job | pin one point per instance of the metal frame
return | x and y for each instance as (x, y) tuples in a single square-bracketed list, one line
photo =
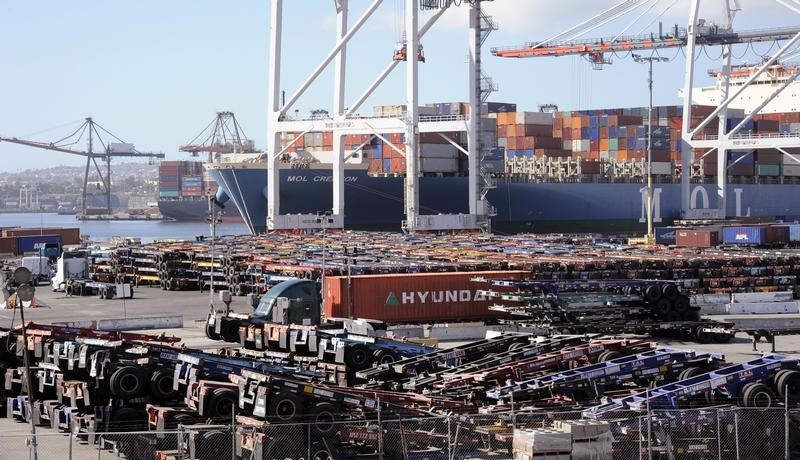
[(724, 142), (344, 122)]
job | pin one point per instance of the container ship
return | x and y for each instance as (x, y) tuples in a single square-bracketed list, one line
[(551, 171), (183, 186)]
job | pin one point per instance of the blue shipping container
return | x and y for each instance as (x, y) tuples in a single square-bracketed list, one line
[(744, 235), (794, 231), (741, 156), (665, 235), (32, 243)]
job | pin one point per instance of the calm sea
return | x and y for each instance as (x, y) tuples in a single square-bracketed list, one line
[(104, 230)]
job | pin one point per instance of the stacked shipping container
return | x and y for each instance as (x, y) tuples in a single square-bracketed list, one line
[(594, 136), (180, 179)]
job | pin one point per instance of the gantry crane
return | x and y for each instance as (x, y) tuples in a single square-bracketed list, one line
[(698, 32), (222, 135), (92, 131)]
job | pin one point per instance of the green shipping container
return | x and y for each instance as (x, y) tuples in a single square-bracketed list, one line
[(613, 144), (768, 170)]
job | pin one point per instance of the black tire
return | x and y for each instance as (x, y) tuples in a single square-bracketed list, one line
[(280, 447), (181, 418), (788, 382), (357, 357), (758, 395), (681, 303), (230, 331), (702, 336), (323, 420), (386, 357), (221, 403), (663, 307), (322, 451), (689, 372), (609, 355), (214, 445), (161, 385), (127, 382), (285, 407), (652, 294), (210, 332), (670, 291)]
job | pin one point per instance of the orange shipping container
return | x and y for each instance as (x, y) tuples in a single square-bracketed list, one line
[(413, 297), (8, 245), (68, 235)]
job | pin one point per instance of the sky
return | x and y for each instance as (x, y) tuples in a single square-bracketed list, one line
[(154, 73)]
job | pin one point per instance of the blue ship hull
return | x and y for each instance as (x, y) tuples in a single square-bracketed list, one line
[(377, 202)]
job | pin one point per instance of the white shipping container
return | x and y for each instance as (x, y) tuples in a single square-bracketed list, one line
[(121, 147), (534, 118), (753, 297), (576, 145), (438, 151), (443, 165), (791, 170), (787, 160), (585, 145), (503, 142), (662, 167), (761, 307)]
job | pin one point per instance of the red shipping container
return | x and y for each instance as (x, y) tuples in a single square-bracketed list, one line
[(8, 245), (501, 130), (68, 235), (777, 234), (390, 152), (594, 146), (398, 165), (414, 297), (535, 130), (660, 155), (697, 238), (769, 156), (590, 167), (375, 165), (327, 138)]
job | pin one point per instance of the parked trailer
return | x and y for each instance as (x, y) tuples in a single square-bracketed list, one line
[(756, 383), (586, 383)]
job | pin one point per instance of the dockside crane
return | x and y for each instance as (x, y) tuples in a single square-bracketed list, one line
[(698, 33), (223, 134), (93, 133)]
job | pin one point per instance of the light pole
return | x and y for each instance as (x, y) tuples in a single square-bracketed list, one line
[(323, 218), (649, 60), (212, 220)]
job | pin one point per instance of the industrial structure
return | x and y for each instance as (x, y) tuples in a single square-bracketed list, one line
[(92, 133), (697, 33), (344, 122)]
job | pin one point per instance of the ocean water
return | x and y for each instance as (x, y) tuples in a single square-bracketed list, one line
[(105, 230)]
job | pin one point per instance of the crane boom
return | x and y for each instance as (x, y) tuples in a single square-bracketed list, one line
[(92, 129), (46, 146), (707, 35)]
